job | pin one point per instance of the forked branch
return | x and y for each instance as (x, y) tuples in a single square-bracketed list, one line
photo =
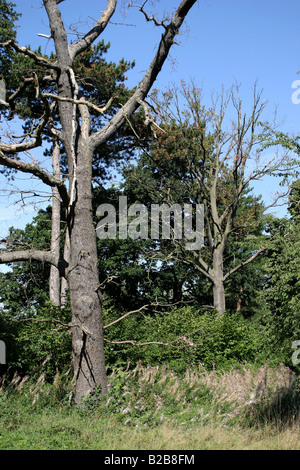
[(167, 40), (92, 35)]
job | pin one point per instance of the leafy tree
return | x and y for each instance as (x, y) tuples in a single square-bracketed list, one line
[(194, 160), (31, 326), (26, 284), (282, 289), (7, 32)]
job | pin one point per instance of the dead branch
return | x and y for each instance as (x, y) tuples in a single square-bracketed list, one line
[(29, 255), (92, 35), (166, 42), (106, 281), (180, 339), (151, 18), (244, 263), (37, 139), (144, 307), (55, 320), (37, 171), (82, 101), (24, 50), (135, 343)]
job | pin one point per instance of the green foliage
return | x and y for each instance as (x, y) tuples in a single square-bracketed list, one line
[(36, 337), (30, 325), (45, 336), (188, 338), (8, 19), (281, 294), (26, 285)]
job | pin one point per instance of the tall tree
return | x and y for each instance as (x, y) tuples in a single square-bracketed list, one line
[(195, 159), (80, 145), (281, 294)]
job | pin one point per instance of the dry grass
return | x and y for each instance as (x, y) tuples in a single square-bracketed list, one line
[(153, 408), (247, 396)]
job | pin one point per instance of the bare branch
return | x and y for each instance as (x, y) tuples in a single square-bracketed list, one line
[(135, 343), (55, 320), (82, 101), (92, 35), (244, 263), (47, 36), (108, 280), (148, 118), (151, 18), (144, 307), (37, 139), (180, 339), (38, 59), (37, 171), (167, 40), (29, 255)]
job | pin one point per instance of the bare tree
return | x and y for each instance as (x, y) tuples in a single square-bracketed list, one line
[(214, 154), (80, 144)]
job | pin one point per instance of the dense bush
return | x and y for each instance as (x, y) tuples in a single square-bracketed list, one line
[(181, 338), (38, 336), (189, 336)]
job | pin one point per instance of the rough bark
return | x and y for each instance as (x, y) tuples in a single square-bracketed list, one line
[(64, 283), (218, 282), (54, 278), (36, 255), (83, 281)]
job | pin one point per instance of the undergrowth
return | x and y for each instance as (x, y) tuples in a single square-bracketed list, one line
[(247, 396), (152, 395)]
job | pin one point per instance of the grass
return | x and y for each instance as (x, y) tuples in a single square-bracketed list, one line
[(153, 408)]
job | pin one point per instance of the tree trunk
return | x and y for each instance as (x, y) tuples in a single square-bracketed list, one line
[(239, 302), (64, 283), (83, 281), (218, 282), (54, 278)]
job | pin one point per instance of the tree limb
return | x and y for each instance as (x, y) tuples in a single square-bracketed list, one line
[(38, 59), (167, 40), (55, 320), (144, 307), (244, 263), (37, 139), (37, 171), (180, 339), (91, 36), (81, 101), (151, 18), (28, 255), (135, 343)]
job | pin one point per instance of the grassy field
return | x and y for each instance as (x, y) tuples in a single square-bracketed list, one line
[(152, 408)]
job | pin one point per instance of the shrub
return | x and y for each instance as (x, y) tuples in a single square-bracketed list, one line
[(39, 336), (189, 338)]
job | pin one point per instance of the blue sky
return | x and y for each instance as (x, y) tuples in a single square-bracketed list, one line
[(222, 41)]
